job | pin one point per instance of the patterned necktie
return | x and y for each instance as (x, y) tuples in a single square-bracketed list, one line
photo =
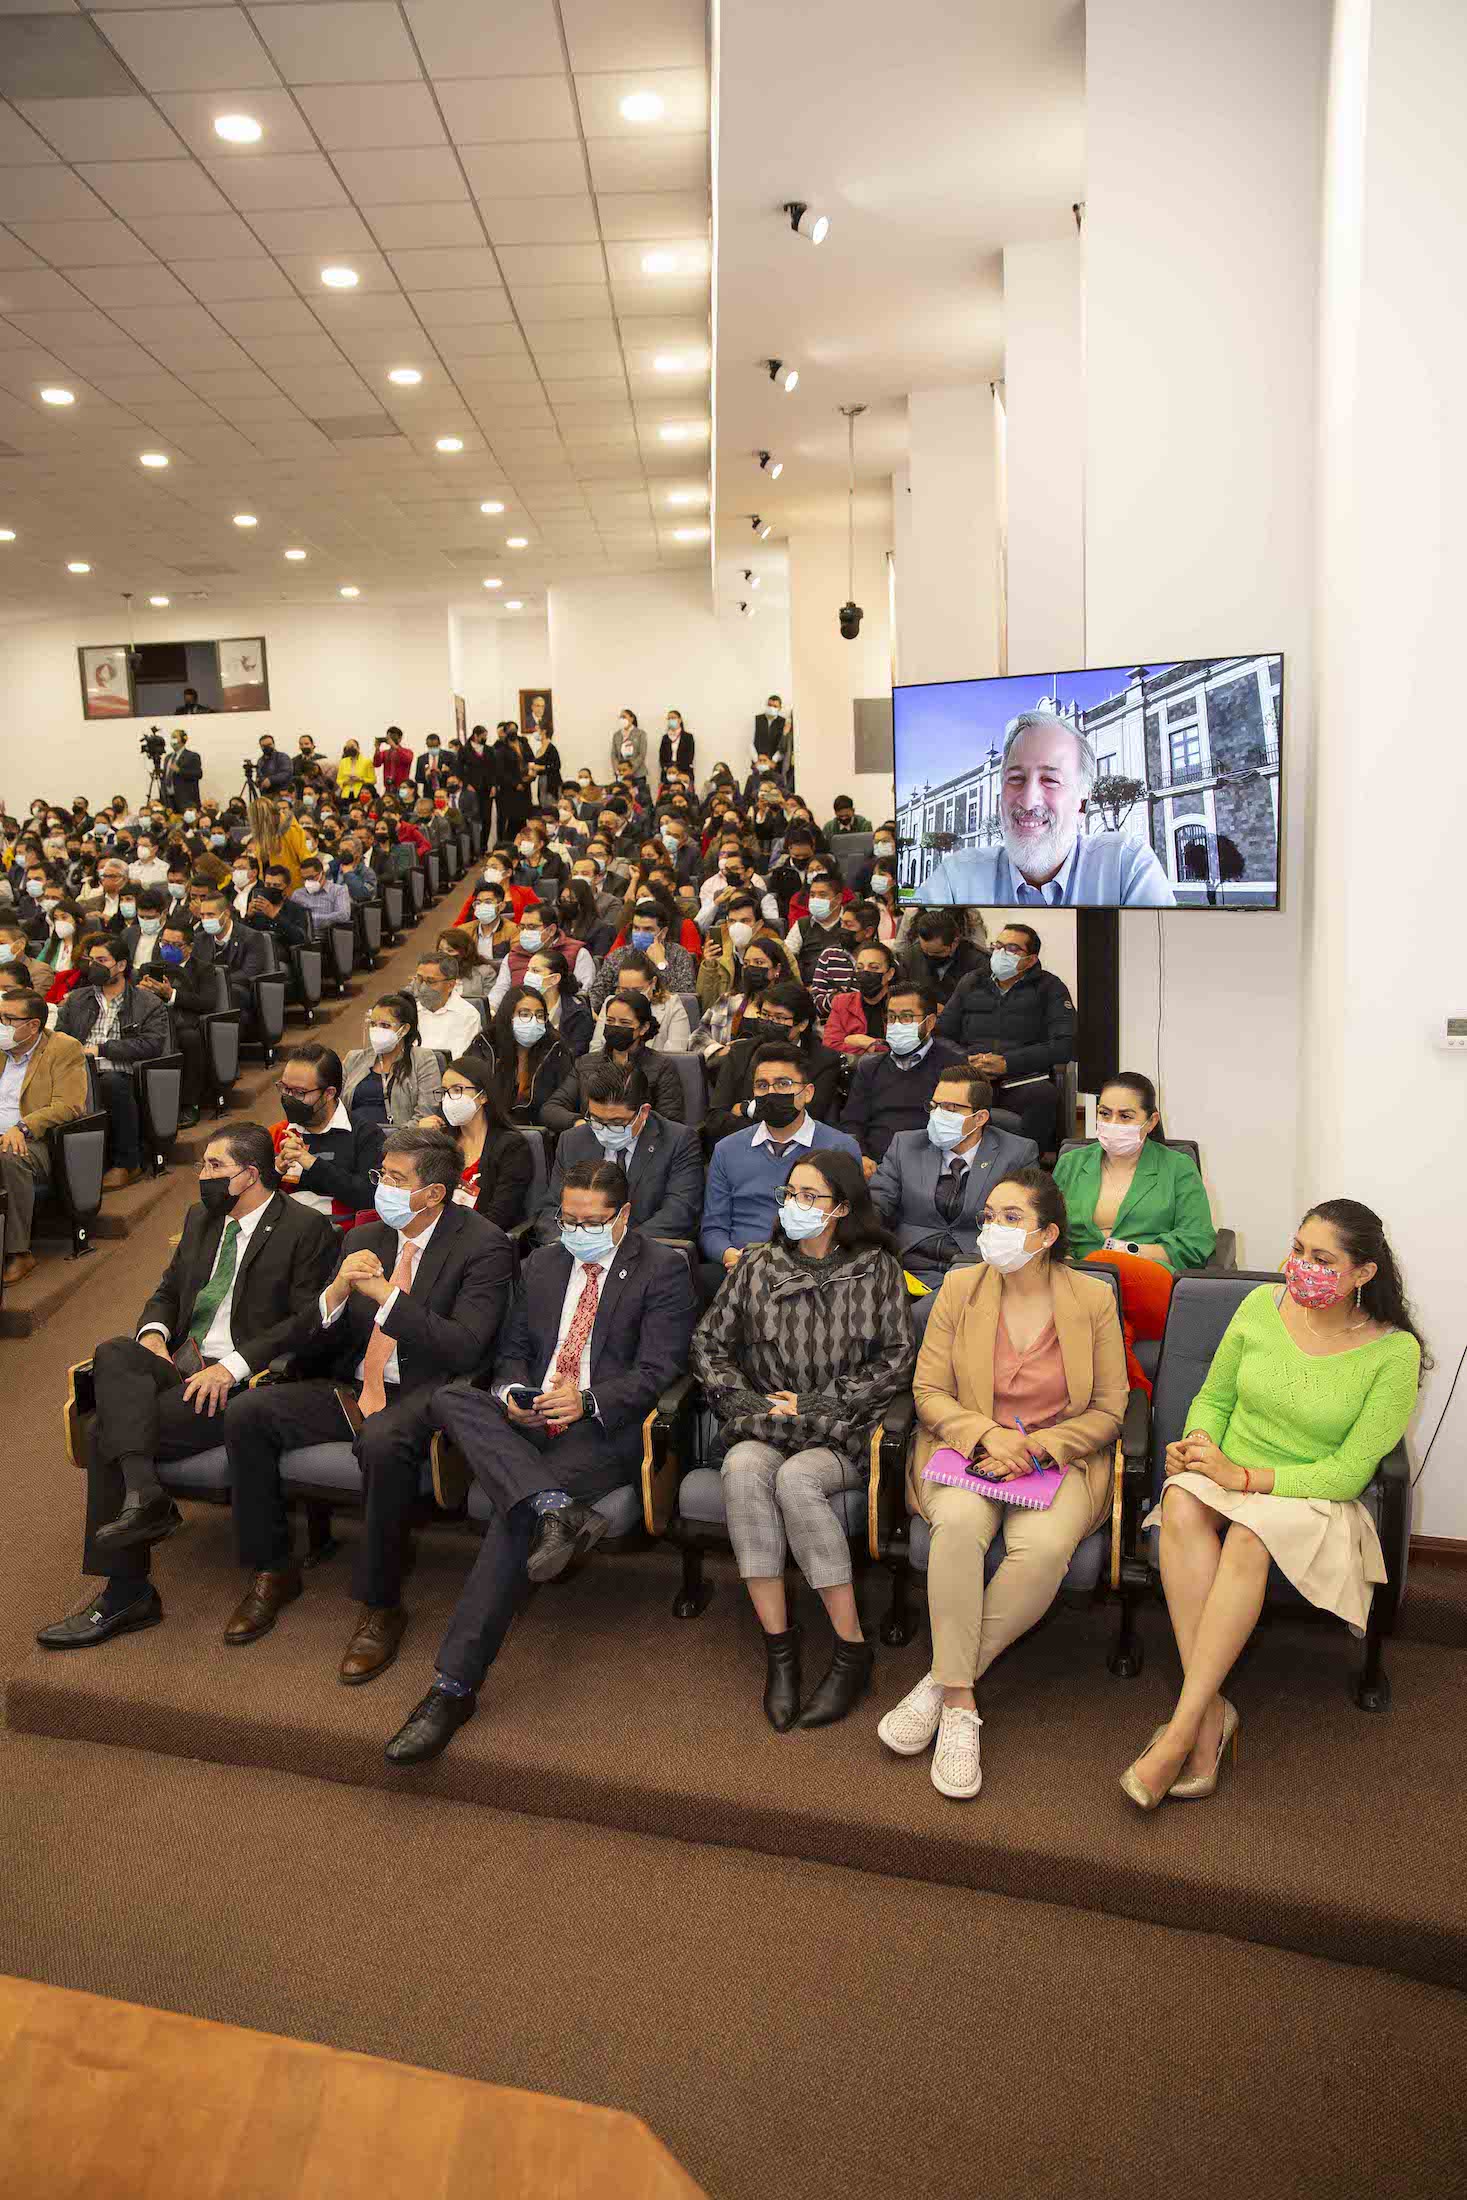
[(583, 1321), (380, 1347), (950, 1192), (217, 1289)]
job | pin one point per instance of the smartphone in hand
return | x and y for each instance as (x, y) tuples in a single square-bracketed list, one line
[(522, 1396)]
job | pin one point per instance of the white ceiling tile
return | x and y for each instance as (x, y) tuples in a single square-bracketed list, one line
[(149, 285), (402, 228), (570, 220), (304, 270), (485, 381), (34, 289), (567, 369), (114, 358), (188, 49), (464, 268), (196, 236), (482, 340), (99, 129), (350, 116), (18, 141), (374, 350), (457, 41), (377, 310), (490, 110), (339, 42), (230, 384), (656, 34), (689, 250), (645, 297), (546, 170), (306, 349), (144, 389), (588, 415), (271, 404), (334, 229), (588, 302), (154, 187), (639, 215), (45, 192), (265, 317), (446, 310), (411, 177), (77, 244), (215, 280), (283, 180), (13, 254), (559, 264), (192, 115), (678, 162)]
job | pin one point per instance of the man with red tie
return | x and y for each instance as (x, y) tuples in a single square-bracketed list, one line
[(601, 1324), (417, 1299)]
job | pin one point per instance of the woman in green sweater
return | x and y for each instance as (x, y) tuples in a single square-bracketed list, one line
[(1313, 1383), (1128, 1191)]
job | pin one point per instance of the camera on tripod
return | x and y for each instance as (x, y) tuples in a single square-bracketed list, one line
[(153, 747), (248, 765)]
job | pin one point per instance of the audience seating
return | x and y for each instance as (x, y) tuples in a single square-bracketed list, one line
[(269, 1013), (309, 966), (338, 944), (367, 919), (221, 1053), (694, 1008), (693, 1079), (417, 881), (392, 910), (160, 1101), (1225, 1253)]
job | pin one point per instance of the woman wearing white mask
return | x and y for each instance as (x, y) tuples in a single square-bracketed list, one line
[(551, 976), (530, 1057), (628, 745), (58, 955), (1022, 1367), (496, 1156), (391, 1080), (675, 751)]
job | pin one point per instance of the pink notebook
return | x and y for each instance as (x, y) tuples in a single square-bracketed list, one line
[(1034, 1492)]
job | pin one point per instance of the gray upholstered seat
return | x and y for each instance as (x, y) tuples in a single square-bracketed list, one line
[(205, 1471), (1080, 1579), (621, 1508)]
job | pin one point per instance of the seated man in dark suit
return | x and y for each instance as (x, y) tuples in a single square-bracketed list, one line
[(326, 1161), (418, 1298), (118, 1024), (892, 1089), (601, 1324), (932, 1183), (941, 955), (236, 949), (662, 1161), (246, 1267), (187, 991), (272, 912)]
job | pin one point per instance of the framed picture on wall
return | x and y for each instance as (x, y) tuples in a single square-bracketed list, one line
[(243, 675), (460, 717), (106, 682), (537, 712)]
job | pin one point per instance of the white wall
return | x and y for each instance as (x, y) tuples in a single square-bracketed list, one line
[(493, 657), (829, 673), (947, 557), (1044, 456), (653, 643)]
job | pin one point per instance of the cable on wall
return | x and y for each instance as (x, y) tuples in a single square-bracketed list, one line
[(1441, 1417)]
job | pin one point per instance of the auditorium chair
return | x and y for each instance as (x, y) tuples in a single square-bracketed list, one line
[(221, 1053), (903, 1541), (367, 920), (308, 965), (338, 943), (694, 1081), (851, 851), (393, 918), (433, 866), (160, 1099), (417, 885), (268, 1017), (78, 1157), (694, 1010), (1201, 1307)]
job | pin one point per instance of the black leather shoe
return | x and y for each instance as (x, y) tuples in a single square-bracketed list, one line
[(94, 1625), (563, 1536), (141, 1520), (430, 1728), (843, 1686), (782, 1686)]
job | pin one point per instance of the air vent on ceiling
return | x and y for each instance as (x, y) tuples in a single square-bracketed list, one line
[(355, 427), (205, 572), (8, 450), (57, 56)]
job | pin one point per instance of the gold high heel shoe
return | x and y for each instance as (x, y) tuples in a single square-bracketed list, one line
[(1136, 1787), (1203, 1784)]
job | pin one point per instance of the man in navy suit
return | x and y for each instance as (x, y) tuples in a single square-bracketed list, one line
[(663, 1161), (601, 1324), (932, 1184)]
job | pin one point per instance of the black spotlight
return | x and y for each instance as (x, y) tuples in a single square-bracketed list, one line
[(850, 621)]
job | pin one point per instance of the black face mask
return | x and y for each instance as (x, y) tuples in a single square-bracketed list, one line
[(98, 974), (215, 1197), (777, 1109), (295, 1110), (619, 1037), (756, 980), (870, 983)]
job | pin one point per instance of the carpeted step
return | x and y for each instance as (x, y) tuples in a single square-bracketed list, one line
[(1436, 1604)]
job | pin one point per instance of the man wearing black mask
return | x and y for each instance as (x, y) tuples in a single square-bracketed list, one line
[(938, 954), (273, 771), (783, 1011), (117, 1024), (324, 1161), (188, 993), (750, 1167), (272, 913)]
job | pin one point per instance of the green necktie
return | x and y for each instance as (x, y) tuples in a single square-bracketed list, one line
[(216, 1290)]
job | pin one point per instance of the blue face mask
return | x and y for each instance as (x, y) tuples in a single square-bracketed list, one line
[(394, 1206), (1004, 963), (528, 1030), (169, 953), (613, 1137), (904, 1038), (211, 926), (588, 1240), (945, 1127), (801, 1222), (642, 936)]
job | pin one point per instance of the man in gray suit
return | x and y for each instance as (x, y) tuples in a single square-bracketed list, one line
[(931, 1186), (663, 1161)]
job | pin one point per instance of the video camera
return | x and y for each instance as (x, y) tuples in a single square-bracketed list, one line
[(153, 746), (248, 764)]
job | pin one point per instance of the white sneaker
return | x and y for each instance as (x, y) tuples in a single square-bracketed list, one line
[(909, 1726), (955, 1767)]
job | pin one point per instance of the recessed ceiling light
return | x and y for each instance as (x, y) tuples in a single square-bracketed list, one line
[(238, 129), (351, 592), (491, 508), (642, 107), (58, 397), (493, 584), (687, 496), (340, 278), (690, 534), (514, 604), (683, 431), (159, 603), (152, 458), (78, 565), (680, 362), (516, 542), (295, 556), (245, 519), (7, 534), (659, 263), (449, 443), (404, 377)]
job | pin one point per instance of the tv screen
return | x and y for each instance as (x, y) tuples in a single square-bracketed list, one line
[(1126, 787)]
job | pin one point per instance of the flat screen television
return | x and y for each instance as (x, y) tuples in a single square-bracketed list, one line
[(1124, 787)]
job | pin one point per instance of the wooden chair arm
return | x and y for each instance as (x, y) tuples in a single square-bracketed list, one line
[(450, 1473), (81, 1401), (662, 1467), (1117, 1514)]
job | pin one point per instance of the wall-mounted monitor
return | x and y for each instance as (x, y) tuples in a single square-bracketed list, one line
[(1127, 787)]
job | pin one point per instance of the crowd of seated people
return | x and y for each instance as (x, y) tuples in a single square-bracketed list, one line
[(674, 1088)]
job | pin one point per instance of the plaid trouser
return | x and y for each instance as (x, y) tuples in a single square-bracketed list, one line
[(776, 1504)]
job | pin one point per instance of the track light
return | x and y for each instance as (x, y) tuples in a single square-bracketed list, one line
[(766, 531), (787, 377), (751, 577), (805, 222), (774, 467)]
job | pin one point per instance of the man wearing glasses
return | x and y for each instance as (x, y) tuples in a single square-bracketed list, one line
[(893, 1084), (749, 1168), (325, 1160)]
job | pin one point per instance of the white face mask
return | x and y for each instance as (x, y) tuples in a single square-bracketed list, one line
[(487, 913), (740, 932), (459, 1108), (241, 879), (1001, 1244), (382, 1038), (64, 928), (881, 886)]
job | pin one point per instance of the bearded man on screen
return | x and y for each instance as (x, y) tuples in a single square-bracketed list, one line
[(1045, 860)]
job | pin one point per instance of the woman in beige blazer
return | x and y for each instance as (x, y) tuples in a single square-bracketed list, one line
[(1021, 1338)]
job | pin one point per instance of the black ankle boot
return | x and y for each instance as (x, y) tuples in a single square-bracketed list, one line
[(843, 1686), (782, 1686)]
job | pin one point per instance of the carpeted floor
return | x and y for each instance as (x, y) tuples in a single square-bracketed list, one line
[(748, 1941)]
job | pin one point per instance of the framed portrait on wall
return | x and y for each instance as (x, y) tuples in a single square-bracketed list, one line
[(244, 677), (537, 712), (106, 682), (460, 717)]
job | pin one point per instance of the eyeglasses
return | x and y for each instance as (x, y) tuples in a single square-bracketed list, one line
[(299, 1092), (789, 1197), (780, 1084), (393, 1183), (581, 1222), (904, 1016)]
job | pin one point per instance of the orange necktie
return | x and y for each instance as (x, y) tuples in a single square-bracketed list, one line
[(380, 1347)]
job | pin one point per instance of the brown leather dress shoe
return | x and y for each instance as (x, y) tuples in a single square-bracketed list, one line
[(117, 1180), (374, 1645), (261, 1605), (18, 1267)]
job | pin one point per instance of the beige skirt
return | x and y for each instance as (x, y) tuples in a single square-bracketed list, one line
[(1329, 1551)]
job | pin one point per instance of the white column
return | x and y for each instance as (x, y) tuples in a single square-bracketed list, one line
[(1201, 282), (947, 567), (828, 673), (1384, 1107), (1044, 394)]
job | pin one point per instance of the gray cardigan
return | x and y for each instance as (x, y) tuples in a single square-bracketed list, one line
[(413, 1091)]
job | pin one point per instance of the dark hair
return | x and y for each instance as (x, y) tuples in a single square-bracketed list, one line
[(977, 1090), (773, 1053), (443, 959), (1049, 1204), (843, 801), (570, 984), (625, 713), (918, 989), (250, 1147), (177, 919), (1362, 1233), (878, 947), (108, 940), (799, 830), (799, 1002), (637, 1003), (1029, 933), (404, 1009), (617, 1084), (506, 1046), (434, 1154), (606, 1177), (576, 891), (477, 1068), (28, 1006), (1133, 1081), (937, 924), (861, 1225), (865, 913), (636, 958), (462, 942), (324, 1060)]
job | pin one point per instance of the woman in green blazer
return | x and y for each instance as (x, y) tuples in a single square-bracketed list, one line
[(1128, 1190)]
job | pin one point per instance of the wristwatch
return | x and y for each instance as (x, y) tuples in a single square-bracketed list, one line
[(588, 1404)]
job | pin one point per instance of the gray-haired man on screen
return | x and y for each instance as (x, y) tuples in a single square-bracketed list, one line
[(1045, 859)]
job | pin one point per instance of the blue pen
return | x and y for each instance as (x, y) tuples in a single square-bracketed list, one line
[(1034, 1460)]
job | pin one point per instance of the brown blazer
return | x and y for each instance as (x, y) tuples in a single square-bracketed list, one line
[(953, 1386), (54, 1089)]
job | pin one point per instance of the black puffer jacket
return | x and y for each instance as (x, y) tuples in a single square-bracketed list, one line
[(1032, 1025)]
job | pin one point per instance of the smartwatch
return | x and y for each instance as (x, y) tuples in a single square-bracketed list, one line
[(588, 1404)]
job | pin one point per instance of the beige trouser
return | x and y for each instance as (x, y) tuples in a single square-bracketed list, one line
[(971, 1622)]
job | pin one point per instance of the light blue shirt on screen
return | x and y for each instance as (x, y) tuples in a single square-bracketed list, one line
[(1102, 871)]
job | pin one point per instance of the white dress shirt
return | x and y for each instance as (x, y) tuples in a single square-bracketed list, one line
[(455, 1026), (421, 1240), (573, 1290), (218, 1342), (804, 1136)]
